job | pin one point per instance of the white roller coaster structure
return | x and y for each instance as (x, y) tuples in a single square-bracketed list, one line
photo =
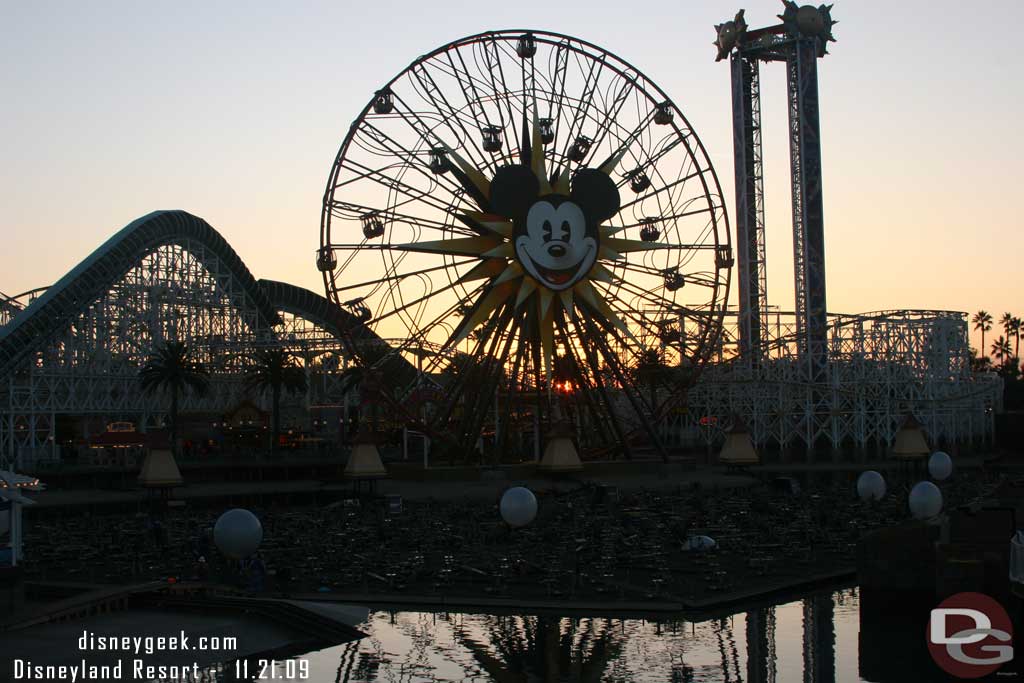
[(75, 350)]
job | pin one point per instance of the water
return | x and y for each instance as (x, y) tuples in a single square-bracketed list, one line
[(814, 639)]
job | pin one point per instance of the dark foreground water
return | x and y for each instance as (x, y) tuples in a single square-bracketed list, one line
[(845, 636), (813, 639)]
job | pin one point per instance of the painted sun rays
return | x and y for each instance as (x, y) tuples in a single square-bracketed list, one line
[(507, 281)]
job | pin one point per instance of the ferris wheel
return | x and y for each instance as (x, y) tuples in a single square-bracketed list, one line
[(540, 216)]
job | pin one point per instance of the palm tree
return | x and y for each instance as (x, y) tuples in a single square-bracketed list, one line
[(537, 648), (1007, 322), (276, 370), (172, 367), (652, 371), (1015, 327), (1001, 349), (982, 321), (980, 363), (369, 386)]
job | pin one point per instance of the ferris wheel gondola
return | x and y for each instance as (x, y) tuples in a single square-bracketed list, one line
[(531, 205)]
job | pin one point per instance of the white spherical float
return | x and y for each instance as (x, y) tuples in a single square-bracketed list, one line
[(925, 500), (518, 506), (871, 485), (699, 543), (940, 466), (238, 533)]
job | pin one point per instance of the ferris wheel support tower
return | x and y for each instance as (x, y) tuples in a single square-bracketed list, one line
[(798, 42)]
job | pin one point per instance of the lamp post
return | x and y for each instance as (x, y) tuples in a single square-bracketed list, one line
[(560, 454), (160, 472), (738, 449), (12, 500), (910, 446)]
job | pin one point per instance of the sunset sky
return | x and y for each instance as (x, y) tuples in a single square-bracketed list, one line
[(235, 111)]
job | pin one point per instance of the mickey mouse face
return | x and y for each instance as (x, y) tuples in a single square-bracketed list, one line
[(555, 248), (556, 237)]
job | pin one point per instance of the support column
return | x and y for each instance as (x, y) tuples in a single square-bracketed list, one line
[(746, 120), (808, 208)]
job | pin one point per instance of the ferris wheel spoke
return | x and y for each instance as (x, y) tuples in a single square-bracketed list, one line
[(639, 320), (529, 86), (610, 117), (496, 360), (419, 338), (451, 114), (396, 311), (470, 370), (561, 65), (353, 211), (472, 96), (502, 90), (414, 162), (660, 273), (645, 162), (414, 194), (415, 172), (469, 84), (671, 142), (664, 190), (581, 112), (648, 296), (399, 276), (636, 314), (620, 372), (596, 370)]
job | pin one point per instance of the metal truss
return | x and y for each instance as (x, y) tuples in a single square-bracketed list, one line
[(750, 220), (799, 46), (808, 209), (418, 242), (883, 366), (186, 285)]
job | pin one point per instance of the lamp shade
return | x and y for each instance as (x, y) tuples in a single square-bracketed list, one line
[(560, 454), (738, 448), (910, 442), (364, 461), (159, 470)]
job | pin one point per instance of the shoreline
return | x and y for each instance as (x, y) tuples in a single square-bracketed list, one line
[(845, 578)]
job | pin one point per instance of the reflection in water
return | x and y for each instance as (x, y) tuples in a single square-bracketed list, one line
[(814, 640), (760, 645), (819, 640)]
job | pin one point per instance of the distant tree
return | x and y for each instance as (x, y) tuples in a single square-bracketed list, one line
[(1015, 328), (980, 363), (368, 384), (1001, 350), (275, 370), (173, 368), (351, 377), (982, 321), (1007, 324), (653, 372), (1010, 372)]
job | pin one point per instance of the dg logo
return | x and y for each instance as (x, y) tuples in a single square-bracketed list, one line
[(970, 635)]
